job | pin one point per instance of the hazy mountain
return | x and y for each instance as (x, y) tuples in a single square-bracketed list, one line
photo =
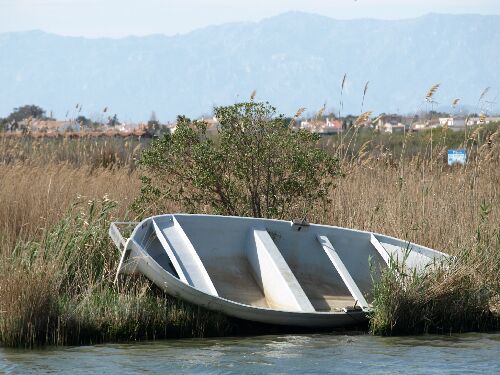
[(292, 60)]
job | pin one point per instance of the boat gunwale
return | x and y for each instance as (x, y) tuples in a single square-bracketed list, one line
[(310, 225)]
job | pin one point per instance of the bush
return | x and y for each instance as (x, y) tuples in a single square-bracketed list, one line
[(256, 165)]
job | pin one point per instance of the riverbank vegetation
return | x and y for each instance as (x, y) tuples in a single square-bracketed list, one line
[(57, 263)]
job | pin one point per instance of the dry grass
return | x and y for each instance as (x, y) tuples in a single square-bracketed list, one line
[(34, 197), (29, 302), (456, 210), (106, 152), (57, 264), (57, 288), (439, 208), (414, 196)]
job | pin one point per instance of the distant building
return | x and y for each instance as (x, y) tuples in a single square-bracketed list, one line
[(327, 126), (307, 124), (390, 123), (394, 128), (425, 124), (433, 123), (212, 123), (388, 119), (459, 123), (481, 120), (452, 122), (332, 126), (125, 127), (50, 126), (418, 126)]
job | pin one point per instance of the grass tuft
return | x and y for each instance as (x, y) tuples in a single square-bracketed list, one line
[(59, 290), (458, 296)]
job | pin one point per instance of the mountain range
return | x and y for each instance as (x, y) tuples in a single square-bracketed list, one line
[(292, 60)]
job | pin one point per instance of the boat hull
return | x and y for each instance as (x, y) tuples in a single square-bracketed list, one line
[(266, 271)]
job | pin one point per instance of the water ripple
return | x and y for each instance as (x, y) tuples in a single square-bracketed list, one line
[(284, 354)]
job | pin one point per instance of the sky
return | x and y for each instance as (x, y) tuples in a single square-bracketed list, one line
[(118, 18)]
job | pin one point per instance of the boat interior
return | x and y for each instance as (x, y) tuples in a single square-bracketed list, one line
[(272, 264)]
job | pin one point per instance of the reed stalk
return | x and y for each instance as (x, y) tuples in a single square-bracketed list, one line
[(57, 263)]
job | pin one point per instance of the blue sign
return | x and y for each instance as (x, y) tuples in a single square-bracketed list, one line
[(456, 157)]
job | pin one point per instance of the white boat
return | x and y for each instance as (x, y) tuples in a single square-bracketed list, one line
[(269, 271)]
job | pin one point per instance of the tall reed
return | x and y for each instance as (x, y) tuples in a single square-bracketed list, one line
[(59, 290), (105, 152), (57, 264)]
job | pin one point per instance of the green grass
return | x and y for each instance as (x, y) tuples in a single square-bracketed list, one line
[(460, 295), (105, 152), (59, 291), (409, 145)]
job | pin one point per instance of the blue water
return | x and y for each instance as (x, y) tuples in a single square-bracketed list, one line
[(284, 354)]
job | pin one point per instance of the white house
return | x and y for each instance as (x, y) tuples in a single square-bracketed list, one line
[(482, 120), (390, 127), (452, 122), (328, 126)]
